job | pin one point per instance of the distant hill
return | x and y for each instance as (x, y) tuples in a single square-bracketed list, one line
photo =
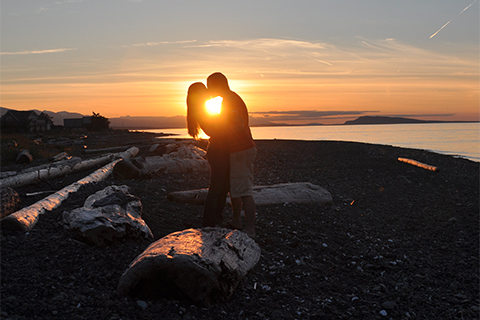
[(385, 120)]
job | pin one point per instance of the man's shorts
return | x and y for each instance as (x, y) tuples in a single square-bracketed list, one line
[(241, 172)]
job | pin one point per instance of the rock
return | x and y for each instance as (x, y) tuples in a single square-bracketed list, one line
[(109, 214), (388, 304), (9, 201), (202, 264)]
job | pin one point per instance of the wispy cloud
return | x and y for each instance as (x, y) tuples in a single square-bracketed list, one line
[(37, 51), (158, 43)]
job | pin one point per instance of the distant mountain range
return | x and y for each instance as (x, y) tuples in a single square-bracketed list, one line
[(146, 123)]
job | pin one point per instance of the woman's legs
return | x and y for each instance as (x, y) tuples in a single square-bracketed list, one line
[(219, 187)]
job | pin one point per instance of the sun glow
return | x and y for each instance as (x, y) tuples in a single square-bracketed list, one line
[(214, 105)]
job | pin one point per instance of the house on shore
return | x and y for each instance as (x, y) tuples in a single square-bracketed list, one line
[(77, 123), (25, 121)]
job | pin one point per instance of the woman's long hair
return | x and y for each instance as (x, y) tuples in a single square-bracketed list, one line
[(196, 97)]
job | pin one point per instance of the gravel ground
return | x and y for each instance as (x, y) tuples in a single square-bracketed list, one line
[(399, 242)]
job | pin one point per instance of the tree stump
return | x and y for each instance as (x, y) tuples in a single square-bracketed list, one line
[(203, 265)]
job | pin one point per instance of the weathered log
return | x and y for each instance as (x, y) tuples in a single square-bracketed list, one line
[(109, 214), (62, 170), (9, 201), (419, 164), (187, 158), (302, 192), (26, 218), (24, 157), (204, 265), (106, 150), (59, 157)]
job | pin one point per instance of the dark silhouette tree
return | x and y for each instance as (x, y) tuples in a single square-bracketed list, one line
[(98, 123)]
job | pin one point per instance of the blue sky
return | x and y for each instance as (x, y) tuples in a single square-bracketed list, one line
[(335, 58)]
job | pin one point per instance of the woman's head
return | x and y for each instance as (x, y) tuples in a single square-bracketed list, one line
[(196, 97)]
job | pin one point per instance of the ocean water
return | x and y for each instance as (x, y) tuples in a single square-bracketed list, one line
[(456, 139)]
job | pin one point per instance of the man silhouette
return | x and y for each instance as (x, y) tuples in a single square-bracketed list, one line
[(242, 151)]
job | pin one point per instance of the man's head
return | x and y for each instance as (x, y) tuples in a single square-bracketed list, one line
[(217, 84)]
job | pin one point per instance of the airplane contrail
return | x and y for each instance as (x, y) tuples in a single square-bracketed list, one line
[(433, 35)]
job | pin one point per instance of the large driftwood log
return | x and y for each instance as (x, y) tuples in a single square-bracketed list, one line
[(419, 164), (109, 214), (26, 218), (302, 192), (9, 201), (187, 158), (104, 150), (63, 169), (204, 265)]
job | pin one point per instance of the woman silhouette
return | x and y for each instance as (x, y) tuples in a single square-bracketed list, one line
[(217, 152)]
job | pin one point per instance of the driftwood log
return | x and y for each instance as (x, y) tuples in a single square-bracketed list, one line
[(105, 150), (109, 214), (419, 164), (9, 201), (59, 170), (204, 265), (186, 158), (26, 218), (302, 192), (24, 157), (69, 162)]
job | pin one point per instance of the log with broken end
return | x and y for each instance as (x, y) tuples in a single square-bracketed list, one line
[(26, 218), (186, 158), (63, 169), (301, 192), (204, 265), (419, 164)]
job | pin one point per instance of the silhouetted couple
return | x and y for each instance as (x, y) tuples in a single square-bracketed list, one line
[(231, 152)]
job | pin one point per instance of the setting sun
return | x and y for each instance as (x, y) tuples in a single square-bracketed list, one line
[(214, 105)]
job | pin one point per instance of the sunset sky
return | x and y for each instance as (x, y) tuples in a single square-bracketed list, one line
[(296, 61)]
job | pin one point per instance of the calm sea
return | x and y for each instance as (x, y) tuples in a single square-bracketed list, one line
[(456, 139)]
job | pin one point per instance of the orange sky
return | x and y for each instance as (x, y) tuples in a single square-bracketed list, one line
[(424, 75)]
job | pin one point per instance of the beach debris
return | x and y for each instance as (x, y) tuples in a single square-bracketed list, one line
[(9, 201), (24, 157), (419, 164), (26, 218), (61, 169), (300, 192), (184, 159), (204, 265), (109, 214), (60, 156), (106, 150)]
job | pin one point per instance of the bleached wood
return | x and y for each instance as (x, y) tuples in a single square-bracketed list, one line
[(26, 218), (50, 172), (302, 192), (418, 164), (205, 265)]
